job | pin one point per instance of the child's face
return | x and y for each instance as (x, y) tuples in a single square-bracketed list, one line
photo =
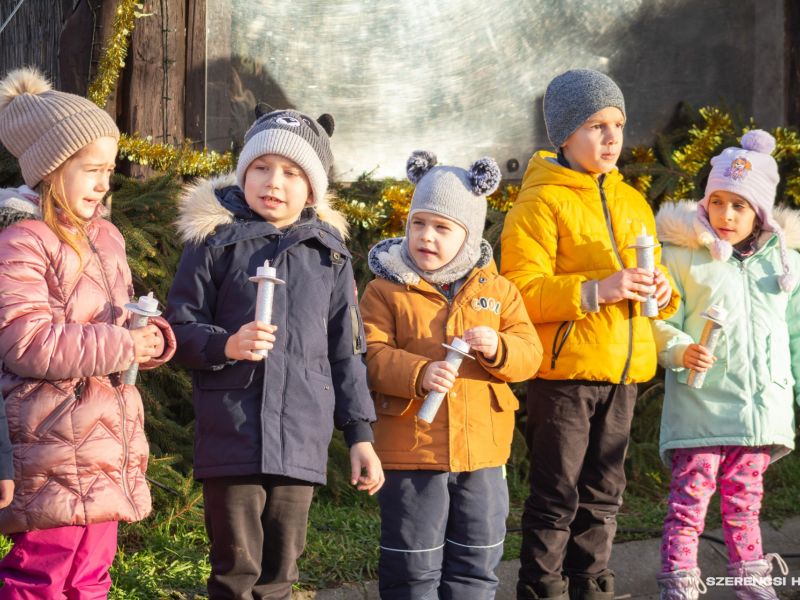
[(434, 240), (276, 189), (595, 146), (85, 177), (731, 216)]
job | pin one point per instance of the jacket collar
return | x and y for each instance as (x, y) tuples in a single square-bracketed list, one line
[(215, 211), (386, 261), (544, 169)]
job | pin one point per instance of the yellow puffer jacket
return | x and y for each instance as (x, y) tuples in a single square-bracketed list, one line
[(566, 228), (406, 320)]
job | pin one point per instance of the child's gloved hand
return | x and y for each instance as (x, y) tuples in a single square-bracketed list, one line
[(251, 336), (6, 492), (366, 470), (663, 288), (698, 358), (148, 343), (439, 377), (627, 284), (484, 340)]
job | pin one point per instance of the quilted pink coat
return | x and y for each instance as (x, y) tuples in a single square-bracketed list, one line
[(80, 452)]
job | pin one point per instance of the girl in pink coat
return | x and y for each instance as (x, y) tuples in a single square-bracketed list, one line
[(79, 450)]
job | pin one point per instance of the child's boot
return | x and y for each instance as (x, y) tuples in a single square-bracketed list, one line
[(681, 585), (543, 591), (757, 577), (591, 588)]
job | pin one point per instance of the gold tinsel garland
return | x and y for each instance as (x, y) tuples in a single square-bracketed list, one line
[(182, 160), (113, 59), (703, 142), (642, 155)]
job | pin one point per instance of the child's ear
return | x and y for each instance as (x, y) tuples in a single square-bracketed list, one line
[(309, 200)]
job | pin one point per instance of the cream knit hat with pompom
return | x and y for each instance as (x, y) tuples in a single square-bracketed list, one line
[(43, 127)]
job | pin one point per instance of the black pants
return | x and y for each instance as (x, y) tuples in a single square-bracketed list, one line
[(577, 435), (257, 528)]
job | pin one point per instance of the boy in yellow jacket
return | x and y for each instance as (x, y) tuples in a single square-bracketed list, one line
[(567, 245), (445, 501)]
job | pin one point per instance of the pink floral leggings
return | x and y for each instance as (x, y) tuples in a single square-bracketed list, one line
[(694, 473)]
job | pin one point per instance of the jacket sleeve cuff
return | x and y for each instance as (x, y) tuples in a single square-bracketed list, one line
[(590, 297), (357, 431), (215, 349)]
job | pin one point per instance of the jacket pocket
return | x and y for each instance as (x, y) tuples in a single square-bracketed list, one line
[(560, 340), (392, 406), (233, 377), (778, 354), (504, 404)]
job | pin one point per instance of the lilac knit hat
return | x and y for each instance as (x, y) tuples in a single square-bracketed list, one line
[(752, 173)]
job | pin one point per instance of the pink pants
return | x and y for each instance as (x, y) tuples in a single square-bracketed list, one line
[(63, 562), (740, 470)]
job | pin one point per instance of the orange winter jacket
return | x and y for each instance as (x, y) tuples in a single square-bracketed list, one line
[(406, 321)]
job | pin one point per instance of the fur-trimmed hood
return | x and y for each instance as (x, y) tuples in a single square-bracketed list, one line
[(18, 204), (386, 261), (676, 224), (208, 204)]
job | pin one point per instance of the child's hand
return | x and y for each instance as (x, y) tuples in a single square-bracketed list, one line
[(698, 358), (627, 284), (663, 288), (6, 492), (366, 470), (148, 343), (250, 337), (484, 340), (439, 377)]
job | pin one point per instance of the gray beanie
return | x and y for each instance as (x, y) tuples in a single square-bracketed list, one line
[(573, 97), (457, 194), (295, 136), (43, 127)]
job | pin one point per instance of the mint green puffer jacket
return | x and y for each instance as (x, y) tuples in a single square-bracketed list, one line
[(747, 398)]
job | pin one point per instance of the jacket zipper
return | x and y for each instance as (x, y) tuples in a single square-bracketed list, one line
[(558, 344), (120, 399), (59, 410), (610, 228)]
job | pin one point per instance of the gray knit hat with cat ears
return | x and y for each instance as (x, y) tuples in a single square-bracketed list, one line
[(295, 136)]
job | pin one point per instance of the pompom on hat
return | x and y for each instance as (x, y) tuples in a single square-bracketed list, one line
[(43, 127), (457, 194), (751, 172)]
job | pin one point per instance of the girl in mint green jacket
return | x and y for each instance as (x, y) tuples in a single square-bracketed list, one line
[(733, 251)]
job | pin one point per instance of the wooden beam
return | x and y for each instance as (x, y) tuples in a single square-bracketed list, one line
[(153, 104), (195, 105), (792, 62)]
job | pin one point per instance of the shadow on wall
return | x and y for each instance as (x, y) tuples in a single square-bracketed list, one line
[(235, 86), (660, 53)]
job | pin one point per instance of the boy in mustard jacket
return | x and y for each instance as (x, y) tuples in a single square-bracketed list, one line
[(445, 500), (567, 245)]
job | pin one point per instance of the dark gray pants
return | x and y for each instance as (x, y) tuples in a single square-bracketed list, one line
[(441, 534), (577, 435), (257, 528)]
